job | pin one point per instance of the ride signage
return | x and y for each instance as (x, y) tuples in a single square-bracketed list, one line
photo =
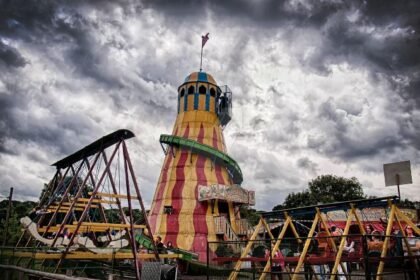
[(232, 193)]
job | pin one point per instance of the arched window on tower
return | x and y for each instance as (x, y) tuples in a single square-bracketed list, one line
[(212, 92), (202, 90), (182, 93), (191, 90)]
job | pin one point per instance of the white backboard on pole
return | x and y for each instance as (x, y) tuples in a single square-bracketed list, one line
[(397, 173)]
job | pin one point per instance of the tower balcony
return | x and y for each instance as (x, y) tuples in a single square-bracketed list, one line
[(224, 105)]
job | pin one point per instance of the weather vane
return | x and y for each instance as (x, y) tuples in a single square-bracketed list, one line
[(204, 40)]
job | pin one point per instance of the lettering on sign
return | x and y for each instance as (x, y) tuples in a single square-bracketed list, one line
[(232, 193), (370, 214)]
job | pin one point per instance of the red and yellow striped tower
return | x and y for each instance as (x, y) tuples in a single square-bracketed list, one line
[(199, 182)]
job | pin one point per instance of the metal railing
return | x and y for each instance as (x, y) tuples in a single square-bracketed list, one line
[(361, 262), (222, 226), (243, 227)]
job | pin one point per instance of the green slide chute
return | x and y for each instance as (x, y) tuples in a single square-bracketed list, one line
[(217, 156)]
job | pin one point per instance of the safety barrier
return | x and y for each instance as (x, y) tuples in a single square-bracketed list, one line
[(360, 260)]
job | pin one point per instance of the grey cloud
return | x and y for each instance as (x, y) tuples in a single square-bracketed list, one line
[(257, 122), (140, 92), (343, 137), (266, 14), (307, 164), (57, 129), (10, 56), (244, 134)]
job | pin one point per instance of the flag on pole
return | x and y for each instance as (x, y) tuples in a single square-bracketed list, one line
[(204, 39)]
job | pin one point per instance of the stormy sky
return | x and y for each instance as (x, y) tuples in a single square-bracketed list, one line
[(319, 87)]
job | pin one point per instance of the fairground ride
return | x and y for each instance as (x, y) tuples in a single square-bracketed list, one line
[(90, 220), (321, 253)]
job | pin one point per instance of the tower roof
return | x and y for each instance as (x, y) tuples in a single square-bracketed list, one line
[(200, 77)]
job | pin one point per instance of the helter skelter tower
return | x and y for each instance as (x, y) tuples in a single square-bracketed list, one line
[(198, 194)]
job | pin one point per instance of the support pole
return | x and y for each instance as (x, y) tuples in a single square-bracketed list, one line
[(398, 185), (130, 210), (201, 59), (342, 244), (276, 247), (235, 271), (9, 210), (305, 248), (139, 198), (386, 242), (294, 230), (410, 253)]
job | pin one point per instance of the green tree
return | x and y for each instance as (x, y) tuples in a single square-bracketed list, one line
[(330, 188), (406, 203), (250, 215), (299, 199), (19, 210), (324, 189)]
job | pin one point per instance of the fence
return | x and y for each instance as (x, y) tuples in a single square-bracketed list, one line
[(29, 258), (360, 259)]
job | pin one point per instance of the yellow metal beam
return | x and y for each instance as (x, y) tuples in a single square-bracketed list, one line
[(305, 248), (276, 247), (91, 256), (342, 244), (71, 229), (96, 200), (292, 226), (113, 195), (77, 205), (109, 225), (64, 208), (410, 252), (268, 229), (402, 216), (386, 241), (327, 230), (235, 271), (97, 227), (361, 227)]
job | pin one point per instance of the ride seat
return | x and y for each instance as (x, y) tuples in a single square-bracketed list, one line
[(325, 243)]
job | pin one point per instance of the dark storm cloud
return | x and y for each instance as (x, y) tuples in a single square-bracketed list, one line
[(57, 130), (43, 23), (47, 26), (381, 36), (342, 34), (268, 13), (128, 57), (23, 18), (10, 56)]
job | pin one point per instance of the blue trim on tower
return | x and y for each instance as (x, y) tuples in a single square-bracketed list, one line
[(208, 100), (185, 101), (202, 77), (196, 100)]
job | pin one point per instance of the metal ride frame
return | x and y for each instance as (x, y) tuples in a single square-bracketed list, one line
[(88, 159), (395, 215)]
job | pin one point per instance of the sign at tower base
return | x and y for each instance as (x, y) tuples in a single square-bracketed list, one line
[(232, 193)]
